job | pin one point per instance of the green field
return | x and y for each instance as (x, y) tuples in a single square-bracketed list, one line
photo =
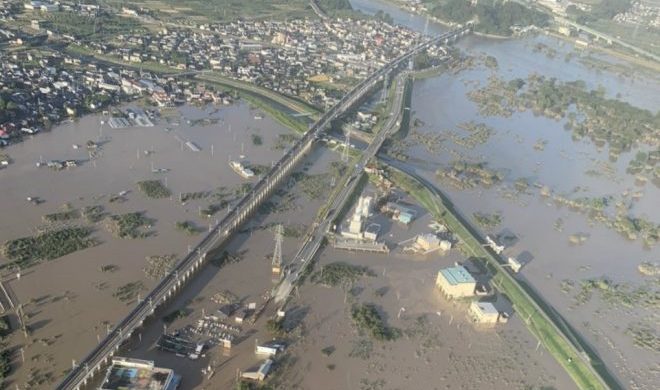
[(274, 110), (637, 36), (581, 363), (193, 12), (103, 27)]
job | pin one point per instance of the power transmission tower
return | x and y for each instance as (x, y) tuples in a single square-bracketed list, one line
[(277, 253)]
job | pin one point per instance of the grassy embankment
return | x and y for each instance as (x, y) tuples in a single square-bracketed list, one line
[(581, 363), (274, 110), (265, 99), (193, 12)]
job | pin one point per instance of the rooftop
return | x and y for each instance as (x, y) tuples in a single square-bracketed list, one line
[(486, 308), (457, 275), (135, 374)]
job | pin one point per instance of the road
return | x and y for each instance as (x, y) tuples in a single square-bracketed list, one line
[(610, 39), (222, 232), (317, 10), (540, 314), (314, 241)]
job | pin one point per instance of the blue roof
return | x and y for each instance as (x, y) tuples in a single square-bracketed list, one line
[(457, 275), (405, 217)]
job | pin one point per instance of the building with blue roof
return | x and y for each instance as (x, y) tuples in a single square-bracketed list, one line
[(456, 282)]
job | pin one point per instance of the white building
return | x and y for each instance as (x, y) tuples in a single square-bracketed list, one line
[(136, 374)]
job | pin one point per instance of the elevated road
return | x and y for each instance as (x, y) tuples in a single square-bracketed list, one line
[(221, 232), (314, 241)]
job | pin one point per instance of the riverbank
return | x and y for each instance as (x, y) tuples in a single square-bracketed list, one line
[(630, 58), (566, 348), (620, 54)]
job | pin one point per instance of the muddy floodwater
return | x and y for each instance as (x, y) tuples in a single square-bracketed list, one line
[(69, 302), (439, 346), (440, 104)]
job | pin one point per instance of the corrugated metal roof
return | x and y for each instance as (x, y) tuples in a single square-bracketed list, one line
[(487, 308), (457, 275)]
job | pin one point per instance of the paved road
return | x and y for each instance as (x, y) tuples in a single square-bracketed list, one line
[(314, 241), (541, 308), (609, 38), (220, 233), (317, 10)]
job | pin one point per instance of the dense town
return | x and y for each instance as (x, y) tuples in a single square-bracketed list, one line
[(305, 192), (303, 58)]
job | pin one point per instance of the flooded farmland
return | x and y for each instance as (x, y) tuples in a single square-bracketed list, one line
[(540, 154), (588, 271), (70, 302)]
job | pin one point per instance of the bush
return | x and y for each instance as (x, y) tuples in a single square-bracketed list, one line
[(175, 315), (154, 189), (128, 225), (48, 245), (367, 318), (256, 140), (339, 273), (187, 227), (5, 363)]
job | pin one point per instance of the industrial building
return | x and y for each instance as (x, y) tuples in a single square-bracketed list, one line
[(361, 245), (514, 264), (456, 282), (356, 224), (485, 313), (371, 232), (269, 349), (427, 243), (261, 373), (136, 374), (400, 213)]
